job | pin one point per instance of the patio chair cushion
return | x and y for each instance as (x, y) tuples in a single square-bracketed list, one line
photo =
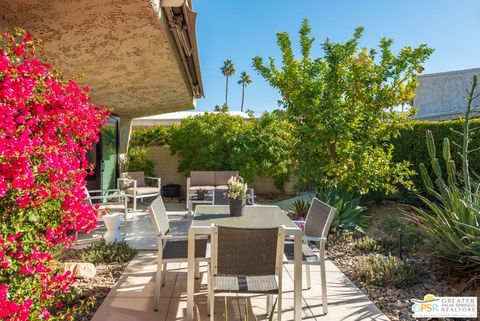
[(196, 188), (250, 284), (179, 249), (143, 190), (222, 177), (199, 178), (115, 207), (308, 255), (137, 176)]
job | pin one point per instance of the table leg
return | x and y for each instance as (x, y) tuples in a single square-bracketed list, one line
[(297, 276), (190, 274), (189, 207)]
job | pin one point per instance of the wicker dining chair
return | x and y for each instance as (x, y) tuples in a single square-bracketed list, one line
[(171, 247), (317, 225), (246, 260)]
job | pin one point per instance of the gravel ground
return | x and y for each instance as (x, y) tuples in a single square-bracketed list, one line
[(394, 302)]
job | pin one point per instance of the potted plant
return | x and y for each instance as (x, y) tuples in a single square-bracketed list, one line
[(236, 195)]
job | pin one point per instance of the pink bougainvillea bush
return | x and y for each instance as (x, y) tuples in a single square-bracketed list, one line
[(47, 124)]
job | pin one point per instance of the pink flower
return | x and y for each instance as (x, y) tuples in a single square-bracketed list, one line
[(3, 186), (47, 126), (27, 269), (4, 61), (23, 201), (44, 314)]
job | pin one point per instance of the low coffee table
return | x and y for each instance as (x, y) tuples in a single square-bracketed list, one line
[(208, 199)]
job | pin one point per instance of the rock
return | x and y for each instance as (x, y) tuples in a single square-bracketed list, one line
[(81, 270)]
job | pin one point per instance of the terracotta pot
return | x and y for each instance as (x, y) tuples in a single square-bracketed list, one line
[(236, 206)]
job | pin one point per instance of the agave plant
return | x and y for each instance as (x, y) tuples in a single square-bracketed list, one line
[(300, 208), (349, 214)]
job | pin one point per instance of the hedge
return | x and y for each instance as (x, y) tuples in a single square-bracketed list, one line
[(411, 145), (256, 148), (155, 136)]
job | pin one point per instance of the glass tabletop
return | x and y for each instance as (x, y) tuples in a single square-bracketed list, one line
[(253, 216)]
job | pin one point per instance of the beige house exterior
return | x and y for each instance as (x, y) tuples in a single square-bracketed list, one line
[(139, 57)]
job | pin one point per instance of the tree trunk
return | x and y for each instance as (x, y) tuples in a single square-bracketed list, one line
[(243, 95), (332, 150), (226, 93)]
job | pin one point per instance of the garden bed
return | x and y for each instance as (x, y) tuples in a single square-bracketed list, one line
[(433, 277), (107, 274)]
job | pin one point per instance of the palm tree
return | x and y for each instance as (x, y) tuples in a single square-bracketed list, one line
[(244, 81), (227, 70)]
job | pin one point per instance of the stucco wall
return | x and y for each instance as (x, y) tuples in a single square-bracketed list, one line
[(121, 49), (439, 96), (4, 25), (166, 168)]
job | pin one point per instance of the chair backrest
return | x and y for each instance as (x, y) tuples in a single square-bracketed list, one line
[(319, 218), (137, 176), (87, 199), (159, 217), (222, 177), (247, 251), (202, 178)]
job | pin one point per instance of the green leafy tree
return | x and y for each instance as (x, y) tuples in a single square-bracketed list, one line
[(224, 142), (223, 108), (342, 105), (244, 81), (228, 70)]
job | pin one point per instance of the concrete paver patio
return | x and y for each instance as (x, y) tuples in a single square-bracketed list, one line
[(132, 297)]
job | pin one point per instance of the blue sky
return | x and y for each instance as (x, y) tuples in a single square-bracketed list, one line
[(239, 30)]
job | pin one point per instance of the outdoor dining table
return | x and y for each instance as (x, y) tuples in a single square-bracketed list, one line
[(253, 216)]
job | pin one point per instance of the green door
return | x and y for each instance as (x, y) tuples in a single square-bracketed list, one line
[(109, 151)]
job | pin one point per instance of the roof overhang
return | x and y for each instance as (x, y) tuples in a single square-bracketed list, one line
[(137, 57)]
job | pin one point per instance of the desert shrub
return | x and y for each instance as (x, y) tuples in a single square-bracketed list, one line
[(349, 214), (103, 252), (344, 237), (452, 228), (47, 124), (391, 226), (385, 271), (366, 244), (220, 141), (138, 160)]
